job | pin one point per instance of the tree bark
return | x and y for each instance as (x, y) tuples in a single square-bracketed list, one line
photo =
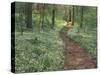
[(81, 15), (73, 17), (81, 18), (53, 17), (42, 13), (69, 14), (28, 12)]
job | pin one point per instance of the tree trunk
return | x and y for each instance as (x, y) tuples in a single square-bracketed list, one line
[(81, 15), (28, 12), (69, 15), (53, 17), (73, 17), (81, 18), (42, 13)]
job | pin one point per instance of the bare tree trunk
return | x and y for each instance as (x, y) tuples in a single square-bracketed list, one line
[(69, 20), (53, 17), (69, 15), (81, 18), (42, 13), (28, 12), (81, 15), (73, 17)]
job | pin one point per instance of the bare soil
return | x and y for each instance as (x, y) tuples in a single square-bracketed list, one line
[(75, 56)]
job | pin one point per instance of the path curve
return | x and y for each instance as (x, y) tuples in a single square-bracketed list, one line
[(75, 56)]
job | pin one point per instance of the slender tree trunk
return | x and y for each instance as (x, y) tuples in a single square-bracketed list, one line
[(53, 17), (21, 26), (42, 13), (28, 12), (81, 15), (43, 9), (81, 18), (69, 15), (73, 17)]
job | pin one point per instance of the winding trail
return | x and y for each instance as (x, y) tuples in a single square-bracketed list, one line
[(75, 56)]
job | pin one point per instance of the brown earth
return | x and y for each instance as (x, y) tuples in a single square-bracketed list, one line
[(75, 56)]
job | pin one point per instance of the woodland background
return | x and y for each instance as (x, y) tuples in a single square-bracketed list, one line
[(37, 38)]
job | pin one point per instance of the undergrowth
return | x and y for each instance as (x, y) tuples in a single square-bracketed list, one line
[(38, 51)]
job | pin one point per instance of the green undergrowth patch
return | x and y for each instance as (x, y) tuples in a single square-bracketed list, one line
[(38, 51)]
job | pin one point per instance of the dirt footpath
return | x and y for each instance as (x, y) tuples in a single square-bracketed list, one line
[(75, 56)]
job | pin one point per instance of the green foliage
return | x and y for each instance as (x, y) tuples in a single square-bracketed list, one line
[(65, 17), (90, 18), (20, 22), (19, 7), (38, 52)]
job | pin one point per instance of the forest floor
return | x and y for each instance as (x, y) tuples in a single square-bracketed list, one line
[(75, 56)]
